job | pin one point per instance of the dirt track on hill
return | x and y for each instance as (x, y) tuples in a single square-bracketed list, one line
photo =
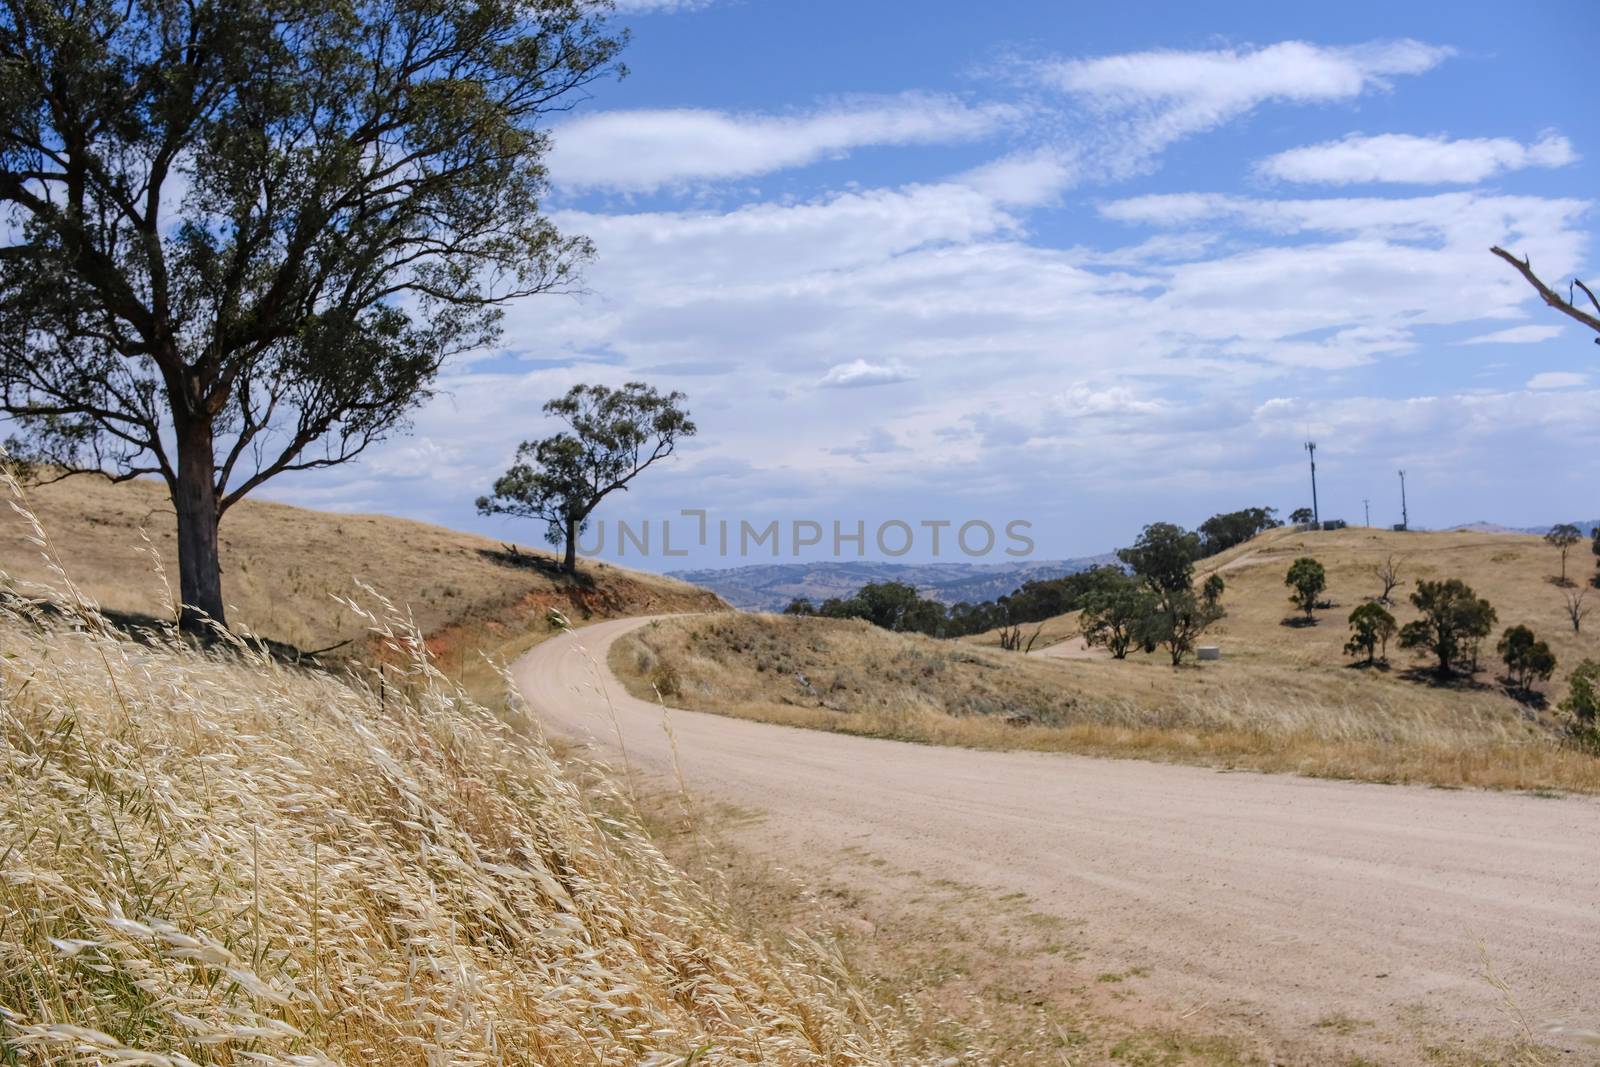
[(1265, 903)]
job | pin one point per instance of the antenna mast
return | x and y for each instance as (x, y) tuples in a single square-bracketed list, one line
[(1405, 520), (1316, 516)]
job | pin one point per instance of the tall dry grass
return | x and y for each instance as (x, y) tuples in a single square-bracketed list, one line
[(207, 857)]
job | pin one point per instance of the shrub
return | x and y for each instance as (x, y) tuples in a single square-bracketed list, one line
[(1583, 703), (1306, 581), (1370, 627), (665, 680), (1528, 660)]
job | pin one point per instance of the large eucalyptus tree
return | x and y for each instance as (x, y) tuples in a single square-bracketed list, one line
[(240, 236)]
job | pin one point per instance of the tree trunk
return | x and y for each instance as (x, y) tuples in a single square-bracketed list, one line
[(199, 563), (569, 562)]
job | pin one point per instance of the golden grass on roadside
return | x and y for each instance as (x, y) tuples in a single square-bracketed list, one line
[(852, 677), (211, 858)]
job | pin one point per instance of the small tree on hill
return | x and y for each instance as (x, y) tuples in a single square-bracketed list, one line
[(1371, 627), (1221, 532), (800, 606), (1583, 703), (1163, 559), (1211, 590), (1114, 617), (1563, 537), (1594, 545), (1388, 573), (1306, 581), (1177, 624), (1300, 516), (1527, 659), (1454, 619), (612, 436)]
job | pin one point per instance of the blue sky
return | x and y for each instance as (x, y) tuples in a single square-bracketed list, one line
[(1077, 264)]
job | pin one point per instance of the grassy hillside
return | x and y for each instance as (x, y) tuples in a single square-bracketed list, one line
[(1515, 572), (283, 565), (216, 859), (1282, 698)]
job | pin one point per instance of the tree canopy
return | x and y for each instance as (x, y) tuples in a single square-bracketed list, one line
[(248, 233), (612, 436), (1454, 619)]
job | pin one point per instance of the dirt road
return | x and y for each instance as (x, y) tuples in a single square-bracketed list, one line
[(1275, 901)]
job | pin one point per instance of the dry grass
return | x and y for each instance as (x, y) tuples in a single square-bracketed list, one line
[(216, 859), (284, 567), (851, 677)]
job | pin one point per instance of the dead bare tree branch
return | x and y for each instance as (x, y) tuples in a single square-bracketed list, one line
[(1550, 296)]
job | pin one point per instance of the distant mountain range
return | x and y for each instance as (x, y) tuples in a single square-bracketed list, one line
[(1587, 526), (772, 587)]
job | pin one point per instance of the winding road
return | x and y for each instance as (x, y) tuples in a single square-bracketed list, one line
[(1269, 898)]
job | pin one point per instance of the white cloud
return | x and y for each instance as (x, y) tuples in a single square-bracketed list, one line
[(1515, 335), (1162, 96), (1557, 379), (858, 373), (659, 6), (641, 150), (1394, 157)]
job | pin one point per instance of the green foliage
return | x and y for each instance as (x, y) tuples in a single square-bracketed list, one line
[(1583, 703), (1117, 615), (1176, 623), (612, 436), (1163, 558), (1300, 516), (800, 606), (891, 606), (1371, 626), (1306, 581), (1454, 620), (1211, 590), (1527, 659), (1222, 532), (246, 236)]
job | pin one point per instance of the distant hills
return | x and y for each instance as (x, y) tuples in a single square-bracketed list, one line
[(771, 587), (1493, 527)]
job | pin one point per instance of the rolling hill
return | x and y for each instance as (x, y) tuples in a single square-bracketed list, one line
[(283, 566)]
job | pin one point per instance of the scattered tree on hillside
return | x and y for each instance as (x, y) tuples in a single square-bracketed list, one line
[(1177, 624), (1527, 659), (1583, 703), (1117, 617), (1594, 545), (1300, 517), (1454, 620), (893, 606), (1577, 610), (1563, 537), (1388, 573), (1568, 306), (244, 238), (1371, 628), (1211, 590), (1163, 560), (1011, 638), (1306, 581), (800, 606), (1222, 532), (612, 436)]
